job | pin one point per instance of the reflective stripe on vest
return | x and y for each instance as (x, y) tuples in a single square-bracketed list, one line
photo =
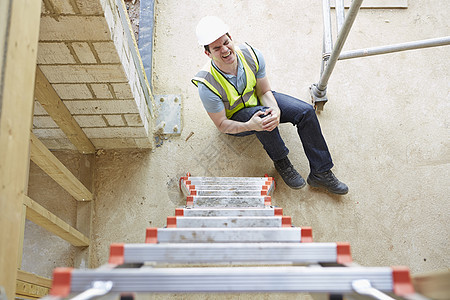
[(219, 84)]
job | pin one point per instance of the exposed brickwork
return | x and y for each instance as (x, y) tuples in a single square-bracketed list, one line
[(133, 120), (73, 91), (101, 91), (90, 121), (44, 122), (115, 120), (54, 53), (85, 54)]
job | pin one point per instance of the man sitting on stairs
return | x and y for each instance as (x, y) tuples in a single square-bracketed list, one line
[(236, 94)]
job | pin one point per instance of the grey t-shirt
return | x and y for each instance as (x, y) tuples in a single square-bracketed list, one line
[(212, 102)]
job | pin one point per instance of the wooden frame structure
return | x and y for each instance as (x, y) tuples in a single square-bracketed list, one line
[(20, 80), (19, 47)]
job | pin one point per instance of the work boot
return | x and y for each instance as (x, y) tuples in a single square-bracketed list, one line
[(328, 181), (289, 174)]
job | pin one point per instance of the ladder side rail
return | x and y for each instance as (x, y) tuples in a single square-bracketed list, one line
[(434, 42)]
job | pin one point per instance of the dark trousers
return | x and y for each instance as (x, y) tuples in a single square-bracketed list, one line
[(301, 115)]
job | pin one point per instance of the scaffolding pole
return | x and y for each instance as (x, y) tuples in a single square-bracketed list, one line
[(340, 14), (443, 41), (327, 34), (318, 91)]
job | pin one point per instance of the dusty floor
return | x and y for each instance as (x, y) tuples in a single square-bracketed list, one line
[(386, 125)]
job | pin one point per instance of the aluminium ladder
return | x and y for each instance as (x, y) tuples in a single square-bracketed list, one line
[(231, 221)]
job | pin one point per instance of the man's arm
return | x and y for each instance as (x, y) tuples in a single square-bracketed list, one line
[(226, 125), (265, 96)]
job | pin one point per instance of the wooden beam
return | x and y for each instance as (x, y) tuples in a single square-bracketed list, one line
[(22, 236), (49, 99), (47, 220), (34, 279), (41, 156), (19, 41), (85, 211), (434, 285), (31, 286)]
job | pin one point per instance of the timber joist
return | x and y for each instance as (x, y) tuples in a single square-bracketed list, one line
[(42, 157)]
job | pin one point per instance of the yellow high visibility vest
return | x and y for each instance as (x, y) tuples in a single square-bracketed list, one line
[(219, 84)]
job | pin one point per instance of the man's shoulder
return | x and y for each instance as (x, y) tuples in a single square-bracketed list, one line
[(248, 47)]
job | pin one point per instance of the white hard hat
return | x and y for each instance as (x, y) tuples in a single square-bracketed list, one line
[(209, 29)]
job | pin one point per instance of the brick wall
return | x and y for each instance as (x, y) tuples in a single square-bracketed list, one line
[(87, 55)]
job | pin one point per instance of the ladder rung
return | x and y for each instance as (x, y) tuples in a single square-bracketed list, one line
[(249, 187), (231, 253), (212, 193), (228, 222), (336, 280), (227, 180), (228, 235), (237, 212), (228, 201), (188, 187)]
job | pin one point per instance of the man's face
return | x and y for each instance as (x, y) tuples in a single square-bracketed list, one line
[(222, 51)]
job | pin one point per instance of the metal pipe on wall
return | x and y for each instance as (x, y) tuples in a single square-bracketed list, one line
[(327, 36), (327, 46), (354, 8), (340, 14), (435, 42)]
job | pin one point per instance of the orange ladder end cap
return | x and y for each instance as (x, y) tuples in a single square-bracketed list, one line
[(151, 236), (189, 201), (263, 192), (343, 253), (185, 182), (306, 235), (267, 200), (278, 211), (62, 279), (179, 212), (116, 254), (171, 222), (401, 281), (286, 221)]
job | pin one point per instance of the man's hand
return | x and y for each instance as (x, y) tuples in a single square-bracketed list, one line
[(264, 121)]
